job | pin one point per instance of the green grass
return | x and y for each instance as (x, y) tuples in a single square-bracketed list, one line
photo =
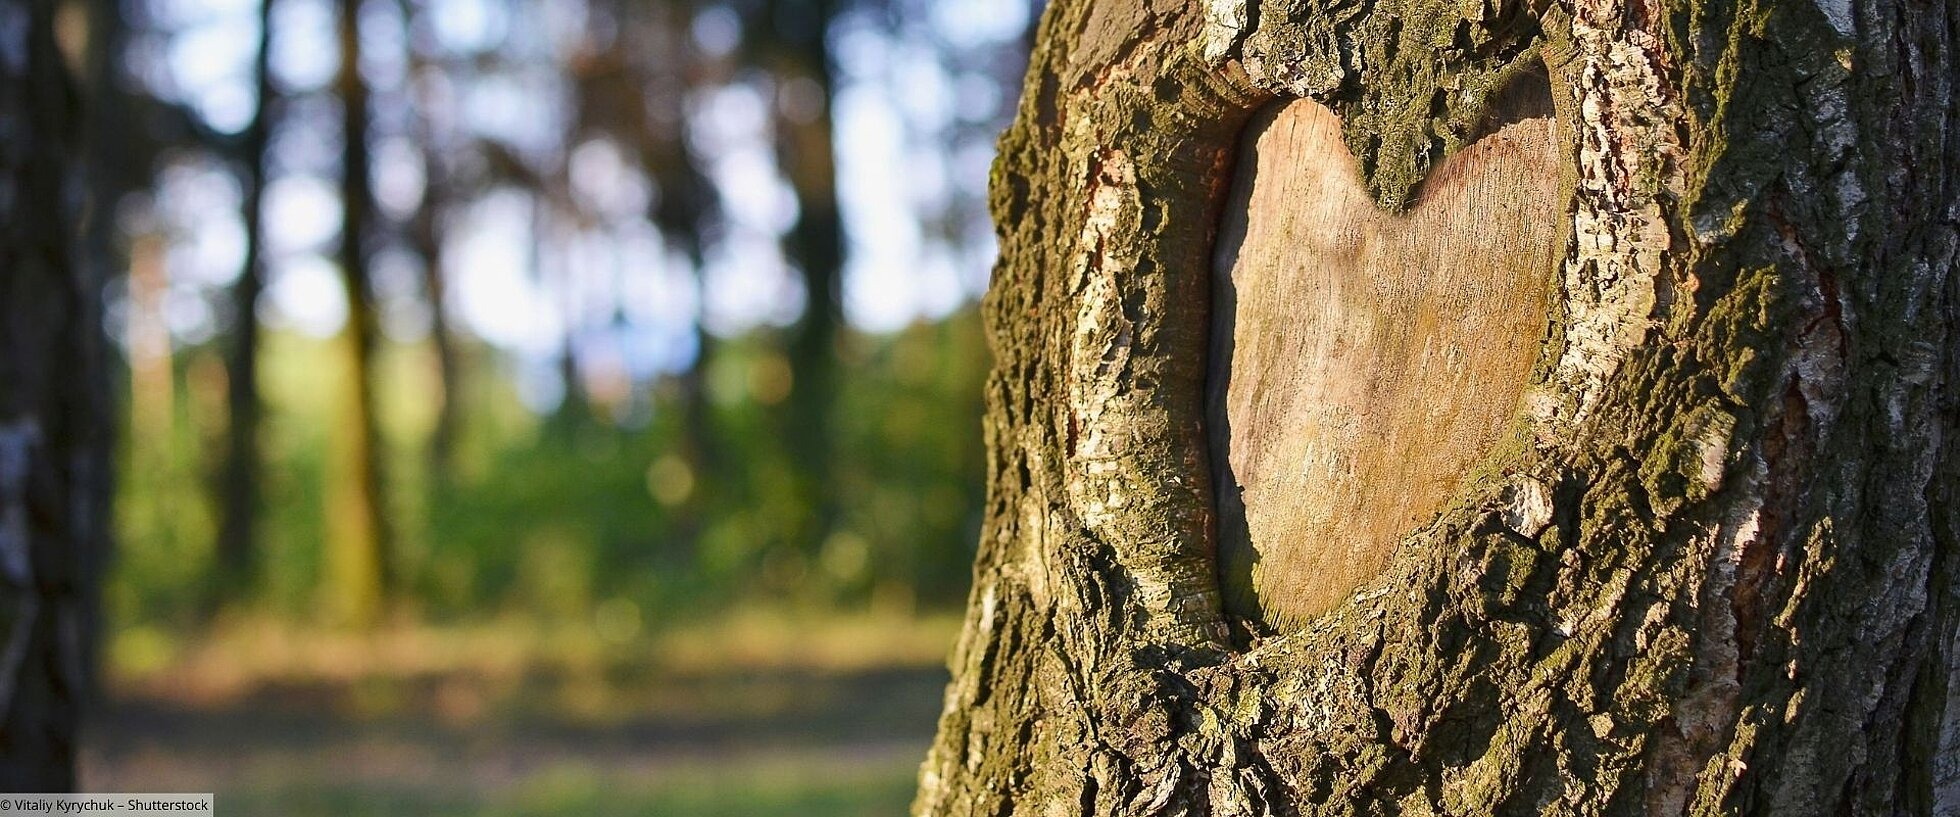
[(804, 788)]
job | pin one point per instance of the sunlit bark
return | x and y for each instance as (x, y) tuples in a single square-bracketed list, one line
[(1712, 573)]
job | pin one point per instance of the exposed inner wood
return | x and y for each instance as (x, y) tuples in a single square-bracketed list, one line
[(1363, 361)]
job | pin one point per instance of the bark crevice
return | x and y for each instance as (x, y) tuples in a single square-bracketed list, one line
[(1704, 579)]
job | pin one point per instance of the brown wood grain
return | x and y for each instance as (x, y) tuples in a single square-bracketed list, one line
[(1362, 361)]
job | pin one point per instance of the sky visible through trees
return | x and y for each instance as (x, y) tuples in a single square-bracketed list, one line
[(914, 139), (674, 299), (597, 348)]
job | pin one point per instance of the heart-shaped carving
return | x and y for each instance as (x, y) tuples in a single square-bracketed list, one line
[(1363, 361)]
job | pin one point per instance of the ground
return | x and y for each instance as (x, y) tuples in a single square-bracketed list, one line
[(754, 716)]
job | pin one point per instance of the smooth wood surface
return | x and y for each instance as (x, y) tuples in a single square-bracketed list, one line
[(1362, 361)]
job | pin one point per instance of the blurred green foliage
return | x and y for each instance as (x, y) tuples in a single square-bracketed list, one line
[(593, 517)]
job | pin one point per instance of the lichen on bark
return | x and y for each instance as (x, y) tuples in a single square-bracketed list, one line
[(1718, 579)]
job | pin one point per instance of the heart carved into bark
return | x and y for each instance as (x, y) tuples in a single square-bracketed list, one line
[(1363, 361)]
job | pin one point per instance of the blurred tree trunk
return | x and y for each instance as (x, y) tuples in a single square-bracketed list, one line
[(549, 199), (427, 231), (359, 558), (700, 445), (237, 531), (427, 236), (815, 243), (574, 411), (686, 211), (115, 164), (1714, 572), (54, 433)]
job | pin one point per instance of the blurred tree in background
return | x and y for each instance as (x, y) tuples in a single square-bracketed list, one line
[(567, 310)]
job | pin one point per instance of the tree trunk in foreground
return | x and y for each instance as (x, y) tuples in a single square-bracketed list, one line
[(1705, 563), (54, 485)]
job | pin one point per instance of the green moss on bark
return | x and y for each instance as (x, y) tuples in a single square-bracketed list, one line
[(1744, 424)]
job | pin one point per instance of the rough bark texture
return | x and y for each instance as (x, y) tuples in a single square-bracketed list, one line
[(1717, 576), (53, 427)]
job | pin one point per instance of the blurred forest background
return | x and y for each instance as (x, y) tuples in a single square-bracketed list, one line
[(539, 406)]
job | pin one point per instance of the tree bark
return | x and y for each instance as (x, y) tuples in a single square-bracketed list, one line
[(1714, 574), (54, 483)]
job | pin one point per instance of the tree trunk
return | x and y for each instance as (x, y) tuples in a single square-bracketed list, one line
[(54, 483), (815, 243), (1701, 557), (548, 263), (359, 553), (239, 489), (688, 214), (427, 230), (427, 236)]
